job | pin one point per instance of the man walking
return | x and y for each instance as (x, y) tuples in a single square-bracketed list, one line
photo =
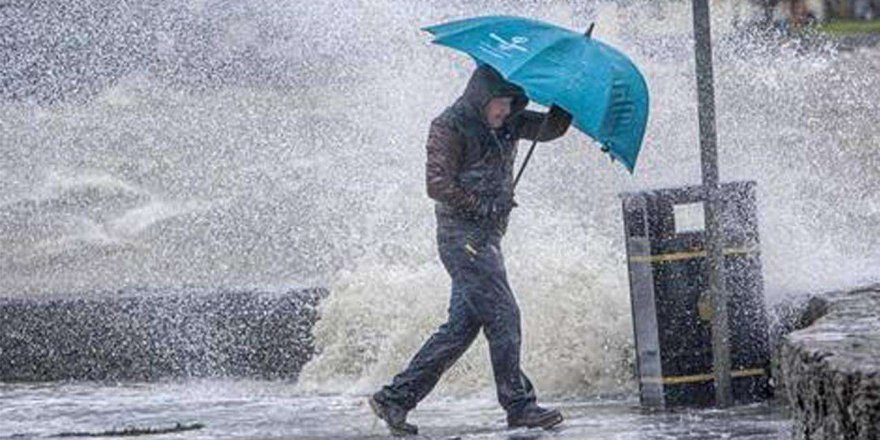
[(471, 152)]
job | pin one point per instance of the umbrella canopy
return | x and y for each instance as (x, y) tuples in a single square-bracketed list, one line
[(602, 89)]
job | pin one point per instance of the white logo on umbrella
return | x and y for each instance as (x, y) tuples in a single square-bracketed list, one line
[(513, 44), (503, 48)]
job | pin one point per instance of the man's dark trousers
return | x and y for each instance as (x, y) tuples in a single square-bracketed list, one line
[(481, 298)]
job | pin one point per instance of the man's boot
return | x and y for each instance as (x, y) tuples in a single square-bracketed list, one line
[(533, 416), (393, 415)]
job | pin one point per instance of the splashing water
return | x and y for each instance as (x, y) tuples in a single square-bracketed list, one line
[(282, 143)]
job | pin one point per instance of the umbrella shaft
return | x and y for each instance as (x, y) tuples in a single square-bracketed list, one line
[(531, 149)]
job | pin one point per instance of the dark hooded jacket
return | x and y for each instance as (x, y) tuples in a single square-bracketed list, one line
[(467, 160)]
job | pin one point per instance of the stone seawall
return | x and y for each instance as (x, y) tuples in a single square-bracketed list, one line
[(152, 334), (830, 370)]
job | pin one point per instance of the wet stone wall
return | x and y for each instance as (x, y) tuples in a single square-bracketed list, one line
[(153, 334), (831, 368)]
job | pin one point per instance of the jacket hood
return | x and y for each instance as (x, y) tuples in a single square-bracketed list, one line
[(486, 83)]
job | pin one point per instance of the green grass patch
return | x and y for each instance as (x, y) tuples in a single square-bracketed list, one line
[(845, 27)]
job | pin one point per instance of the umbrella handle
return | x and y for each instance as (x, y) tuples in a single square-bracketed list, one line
[(532, 149)]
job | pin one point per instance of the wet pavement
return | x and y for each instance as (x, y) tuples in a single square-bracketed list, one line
[(243, 409)]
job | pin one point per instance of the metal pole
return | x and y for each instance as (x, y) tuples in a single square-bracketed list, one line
[(709, 161)]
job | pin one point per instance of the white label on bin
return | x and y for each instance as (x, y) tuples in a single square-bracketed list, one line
[(689, 218)]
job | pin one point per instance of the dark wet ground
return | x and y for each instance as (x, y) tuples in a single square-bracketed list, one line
[(272, 410)]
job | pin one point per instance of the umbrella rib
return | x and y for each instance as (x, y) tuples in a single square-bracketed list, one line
[(535, 56), (467, 28), (456, 32)]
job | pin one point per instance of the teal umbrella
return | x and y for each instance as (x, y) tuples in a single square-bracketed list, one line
[(602, 89)]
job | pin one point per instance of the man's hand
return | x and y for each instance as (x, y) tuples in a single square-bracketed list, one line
[(560, 111), (497, 207)]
